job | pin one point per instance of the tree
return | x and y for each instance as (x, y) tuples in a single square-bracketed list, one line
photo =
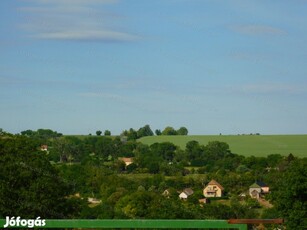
[(41, 134), (289, 198), (4, 133), (195, 153), (158, 132), (98, 132), (144, 131), (135, 205), (169, 131), (107, 133), (166, 150), (217, 150), (29, 185), (132, 134), (182, 131)]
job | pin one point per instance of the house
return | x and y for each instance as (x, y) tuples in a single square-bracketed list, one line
[(264, 188), (186, 193), (213, 189), (44, 147), (92, 200), (204, 201), (257, 189), (126, 160), (166, 193)]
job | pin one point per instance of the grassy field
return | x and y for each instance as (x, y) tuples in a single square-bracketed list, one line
[(247, 145)]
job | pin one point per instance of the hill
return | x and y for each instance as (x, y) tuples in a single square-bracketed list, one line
[(247, 145)]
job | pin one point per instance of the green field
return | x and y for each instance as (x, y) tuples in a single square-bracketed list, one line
[(247, 145)]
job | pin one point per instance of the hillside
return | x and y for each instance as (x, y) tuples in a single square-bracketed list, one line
[(246, 145)]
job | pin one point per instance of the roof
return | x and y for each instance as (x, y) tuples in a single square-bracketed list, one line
[(261, 184), (126, 159), (258, 184), (214, 182), (255, 185), (188, 191)]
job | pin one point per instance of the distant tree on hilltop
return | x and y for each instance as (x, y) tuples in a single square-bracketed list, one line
[(182, 131)]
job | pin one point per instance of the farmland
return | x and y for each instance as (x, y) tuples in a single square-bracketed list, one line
[(247, 145)]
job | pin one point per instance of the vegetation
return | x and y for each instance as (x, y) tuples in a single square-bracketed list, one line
[(57, 182)]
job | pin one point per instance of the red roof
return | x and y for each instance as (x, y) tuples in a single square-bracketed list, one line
[(214, 182), (126, 159)]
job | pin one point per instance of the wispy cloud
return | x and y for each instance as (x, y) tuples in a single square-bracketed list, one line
[(258, 30), (78, 20), (274, 88), (108, 96)]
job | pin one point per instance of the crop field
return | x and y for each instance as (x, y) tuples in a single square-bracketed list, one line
[(247, 145)]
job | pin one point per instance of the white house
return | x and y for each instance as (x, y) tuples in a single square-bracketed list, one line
[(186, 193)]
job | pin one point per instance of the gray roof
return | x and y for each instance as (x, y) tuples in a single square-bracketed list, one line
[(188, 191)]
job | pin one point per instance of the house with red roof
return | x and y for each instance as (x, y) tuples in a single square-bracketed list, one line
[(213, 189)]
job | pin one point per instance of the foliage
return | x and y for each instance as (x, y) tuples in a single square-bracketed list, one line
[(182, 131), (43, 134), (107, 133), (169, 131), (98, 133), (158, 132), (29, 185), (290, 195)]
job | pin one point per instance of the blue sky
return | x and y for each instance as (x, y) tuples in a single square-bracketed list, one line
[(77, 66)]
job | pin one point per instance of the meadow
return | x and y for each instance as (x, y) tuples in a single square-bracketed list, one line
[(247, 145)]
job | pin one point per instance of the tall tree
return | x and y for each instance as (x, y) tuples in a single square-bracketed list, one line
[(290, 195), (145, 131)]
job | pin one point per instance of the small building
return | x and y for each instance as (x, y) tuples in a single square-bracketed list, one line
[(204, 201), (126, 160), (257, 189), (166, 193), (264, 188), (44, 148), (213, 189), (186, 193), (92, 200)]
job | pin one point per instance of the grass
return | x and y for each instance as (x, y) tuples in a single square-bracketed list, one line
[(247, 145)]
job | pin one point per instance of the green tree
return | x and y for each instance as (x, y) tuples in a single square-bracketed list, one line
[(182, 131), (289, 196), (98, 133), (29, 185), (169, 131), (216, 150), (132, 134), (195, 153), (166, 150), (135, 205), (107, 133), (158, 132), (144, 131)]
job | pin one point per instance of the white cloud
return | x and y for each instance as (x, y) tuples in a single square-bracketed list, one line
[(79, 20), (258, 30), (88, 35)]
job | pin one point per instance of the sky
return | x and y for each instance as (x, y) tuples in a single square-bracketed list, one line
[(213, 66)]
